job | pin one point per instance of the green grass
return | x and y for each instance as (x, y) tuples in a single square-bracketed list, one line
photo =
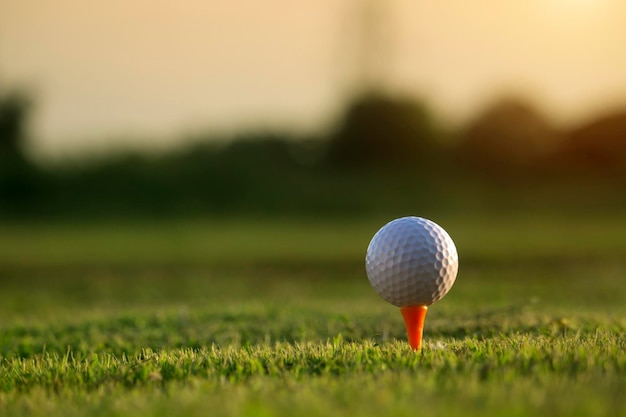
[(263, 318)]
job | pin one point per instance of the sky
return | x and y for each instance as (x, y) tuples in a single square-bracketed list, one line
[(145, 73)]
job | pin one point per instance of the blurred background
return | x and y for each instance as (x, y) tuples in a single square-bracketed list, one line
[(125, 109)]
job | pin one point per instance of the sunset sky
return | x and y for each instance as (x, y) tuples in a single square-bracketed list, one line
[(105, 71)]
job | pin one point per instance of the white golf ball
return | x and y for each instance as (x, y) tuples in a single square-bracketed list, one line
[(411, 261)]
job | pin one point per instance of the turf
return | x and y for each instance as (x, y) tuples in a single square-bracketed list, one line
[(262, 318)]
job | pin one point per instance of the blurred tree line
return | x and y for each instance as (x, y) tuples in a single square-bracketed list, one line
[(385, 153)]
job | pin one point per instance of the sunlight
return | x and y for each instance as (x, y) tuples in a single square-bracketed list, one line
[(576, 6)]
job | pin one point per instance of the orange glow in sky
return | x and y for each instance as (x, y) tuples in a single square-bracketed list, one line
[(156, 69)]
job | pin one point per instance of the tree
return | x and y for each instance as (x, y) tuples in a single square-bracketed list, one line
[(509, 135), (378, 131), (14, 111), (599, 145), (20, 182)]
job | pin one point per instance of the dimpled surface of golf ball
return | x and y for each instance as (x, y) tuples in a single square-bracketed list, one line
[(411, 261)]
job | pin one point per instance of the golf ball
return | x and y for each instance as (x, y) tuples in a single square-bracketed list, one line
[(411, 261)]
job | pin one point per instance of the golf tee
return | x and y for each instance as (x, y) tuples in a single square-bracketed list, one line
[(414, 322)]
